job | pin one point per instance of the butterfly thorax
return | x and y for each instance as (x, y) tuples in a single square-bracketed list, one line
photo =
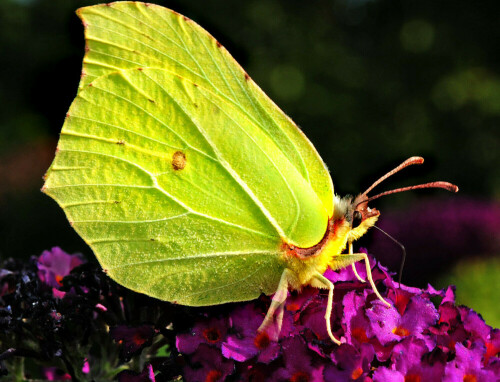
[(305, 262)]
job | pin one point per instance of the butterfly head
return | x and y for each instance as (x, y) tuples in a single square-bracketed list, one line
[(361, 217)]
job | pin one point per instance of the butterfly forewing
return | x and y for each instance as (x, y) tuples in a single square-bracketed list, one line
[(178, 171)]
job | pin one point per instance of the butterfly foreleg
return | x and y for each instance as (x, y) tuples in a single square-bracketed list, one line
[(368, 272), (274, 315), (353, 265), (328, 314)]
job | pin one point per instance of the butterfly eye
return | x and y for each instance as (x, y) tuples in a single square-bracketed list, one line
[(356, 219)]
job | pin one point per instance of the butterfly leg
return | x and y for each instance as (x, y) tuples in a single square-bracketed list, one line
[(370, 278), (364, 257), (328, 284), (353, 265), (277, 305)]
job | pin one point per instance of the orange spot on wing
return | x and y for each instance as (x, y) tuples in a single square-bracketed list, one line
[(179, 160)]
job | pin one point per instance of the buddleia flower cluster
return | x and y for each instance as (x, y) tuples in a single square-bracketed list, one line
[(62, 318), (423, 336)]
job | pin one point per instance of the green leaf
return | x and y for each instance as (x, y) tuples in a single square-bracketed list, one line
[(176, 169)]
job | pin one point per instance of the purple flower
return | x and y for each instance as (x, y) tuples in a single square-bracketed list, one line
[(132, 339), (389, 325), (245, 342), (147, 375), (208, 365), (299, 364), (408, 358), (211, 331), (383, 374), (492, 347), (408, 342), (357, 326), (55, 374), (434, 229), (350, 364), (467, 366), (54, 265), (86, 366)]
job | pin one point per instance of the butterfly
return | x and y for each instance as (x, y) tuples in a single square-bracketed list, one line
[(189, 184)]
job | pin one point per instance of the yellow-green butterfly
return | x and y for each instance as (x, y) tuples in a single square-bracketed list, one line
[(189, 184)]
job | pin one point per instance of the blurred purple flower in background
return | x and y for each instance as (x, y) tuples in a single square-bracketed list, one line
[(54, 265), (437, 233), (132, 339), (147, 375)]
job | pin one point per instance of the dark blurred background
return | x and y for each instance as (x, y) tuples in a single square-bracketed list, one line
[(370, 82)]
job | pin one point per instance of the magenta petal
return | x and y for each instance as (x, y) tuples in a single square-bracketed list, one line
[(86, 366), (55, 374), (239, 349), (358, 329), (383, 321), (474, 324), (147, 375), (383, 374), (351, 364), (132, 339), (408, 358), (55, 264), (492, 346), (210, 331), (467, 366), (389, 326), (243, 349), (207, 364), (299, 365)]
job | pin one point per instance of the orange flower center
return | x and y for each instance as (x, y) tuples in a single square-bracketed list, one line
[(293, 306), (59, 279), (470, 378), (357, 373), (212, 335), (213, 375), (412, 378), (262, 340), (138, 339), (491, 351), (300, 376), (359, 334), (400, 331)]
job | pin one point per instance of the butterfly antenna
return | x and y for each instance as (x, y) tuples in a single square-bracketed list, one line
[(444, 185), (403, 249), (406, 163), (364, 199)]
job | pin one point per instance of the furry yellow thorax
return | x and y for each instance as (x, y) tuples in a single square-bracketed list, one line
[(330, 254)]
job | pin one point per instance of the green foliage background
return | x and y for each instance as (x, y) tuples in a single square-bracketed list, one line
[(371, 82)]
